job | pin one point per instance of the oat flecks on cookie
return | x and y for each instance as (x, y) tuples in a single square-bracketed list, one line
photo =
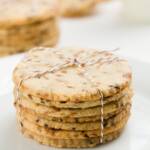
[(68, 94), (26, 24)]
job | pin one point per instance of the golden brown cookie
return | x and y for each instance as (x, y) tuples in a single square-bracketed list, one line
[(69, 134), (26, 24), (41, 121), (83, 105), (75, 75), (70, 143), (68, 94)]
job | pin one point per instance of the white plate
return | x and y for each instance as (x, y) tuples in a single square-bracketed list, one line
[(136, 135)]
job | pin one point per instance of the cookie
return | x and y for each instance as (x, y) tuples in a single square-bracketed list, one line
[(69, 94), (32, 23), (77, 7), (70, 143), (65, 134), (70, 119), (22, 113), (83, 105), (74, 113), (75, 75)]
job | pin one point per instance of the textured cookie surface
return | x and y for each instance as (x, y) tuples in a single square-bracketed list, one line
[(22, 113), (71, 74), (20, 12), (70, 143), (74, 113), (71, 119), (69, 104), (65, 134)]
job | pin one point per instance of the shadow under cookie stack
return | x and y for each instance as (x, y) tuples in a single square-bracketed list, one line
[(72, 98)]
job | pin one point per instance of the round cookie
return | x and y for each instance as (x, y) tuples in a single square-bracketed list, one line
[(70, 119), (70, 143), (83, 105), (65, 134), (26, 24), (74, 113), (70, 94), (67, 75), (72, 126)]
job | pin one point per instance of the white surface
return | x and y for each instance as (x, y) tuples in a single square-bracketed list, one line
[(106, 30), (139, 12), (136, 135)]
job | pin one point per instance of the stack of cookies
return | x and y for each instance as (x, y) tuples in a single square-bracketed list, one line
[(27, 23), (72, 97), (72, 8)]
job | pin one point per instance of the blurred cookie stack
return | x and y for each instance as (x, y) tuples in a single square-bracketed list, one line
[(78, 98), (72, 8), (27, 23)]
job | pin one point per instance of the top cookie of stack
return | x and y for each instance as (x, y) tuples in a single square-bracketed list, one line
[(27, 23), (72, 97)]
